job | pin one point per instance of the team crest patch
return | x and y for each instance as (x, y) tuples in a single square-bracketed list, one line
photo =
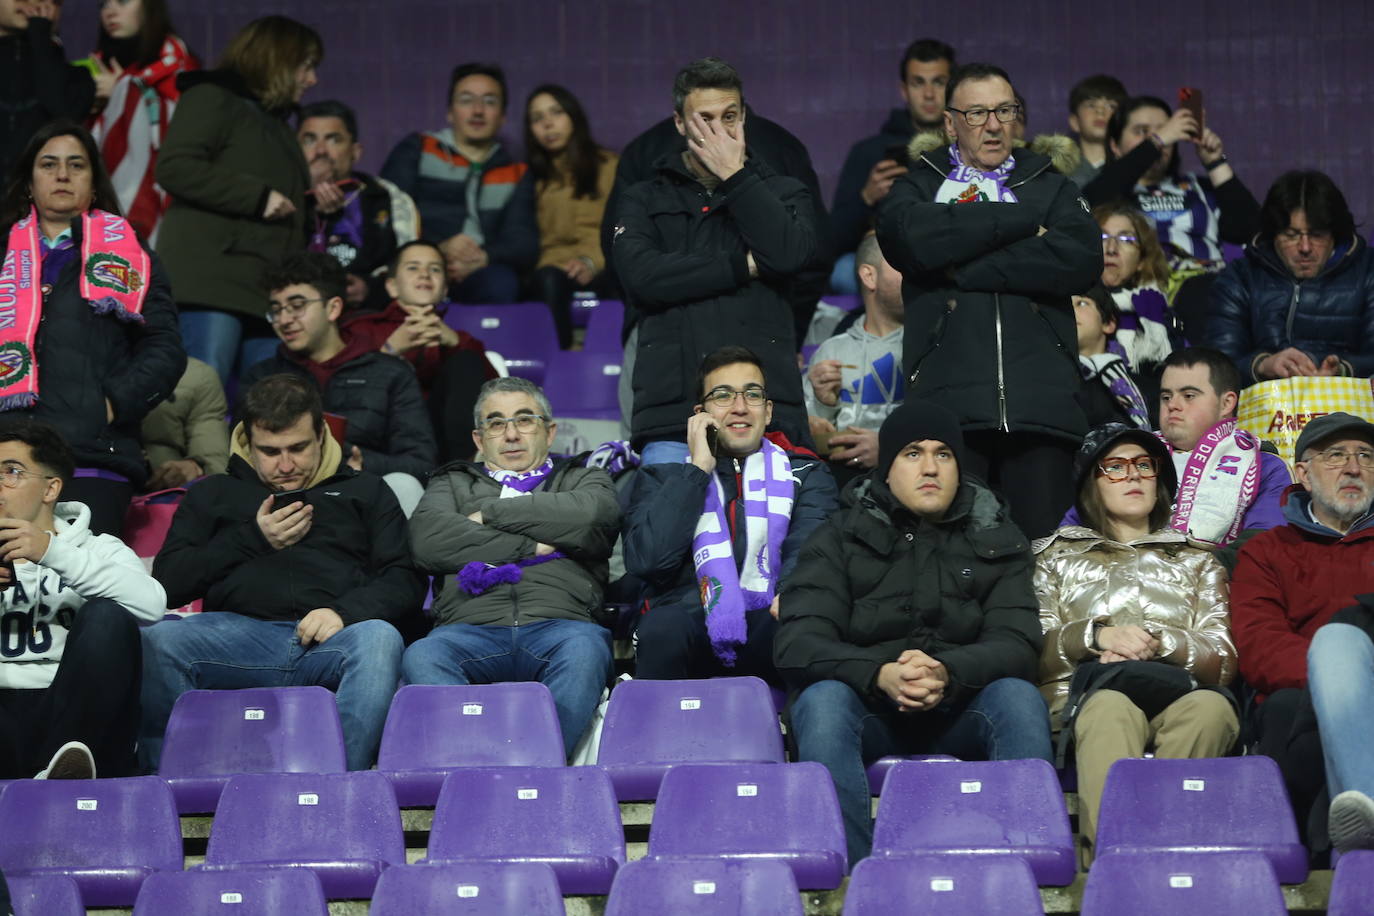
[(710, 593), (15, 362), (971, 194), (112, 272)]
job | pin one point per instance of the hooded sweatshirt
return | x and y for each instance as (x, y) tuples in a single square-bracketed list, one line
[(873, 385)]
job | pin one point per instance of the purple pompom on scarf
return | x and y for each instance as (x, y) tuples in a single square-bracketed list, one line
[(477, 577)]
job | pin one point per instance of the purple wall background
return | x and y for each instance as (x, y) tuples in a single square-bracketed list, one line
[(1285, 87)]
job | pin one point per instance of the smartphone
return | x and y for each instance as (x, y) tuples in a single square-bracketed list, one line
[(287, 498), (1191, 99), (713, 441), (898, 154)]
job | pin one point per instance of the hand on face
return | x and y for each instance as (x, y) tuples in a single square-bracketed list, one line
[(719, 147)]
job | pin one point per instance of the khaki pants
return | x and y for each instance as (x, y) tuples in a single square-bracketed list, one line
[(1110, 727)]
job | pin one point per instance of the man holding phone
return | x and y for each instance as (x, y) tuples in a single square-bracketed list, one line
[(305, 571), (713, 538)]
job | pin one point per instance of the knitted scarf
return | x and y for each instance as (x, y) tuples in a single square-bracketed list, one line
[(969, 184), (477, 577)]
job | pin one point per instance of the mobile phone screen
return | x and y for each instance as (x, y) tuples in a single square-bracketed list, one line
[(1191, 99), (289, 497)]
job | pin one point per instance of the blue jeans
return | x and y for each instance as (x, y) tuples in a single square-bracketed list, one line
[(495, 284), (570, 657), (216, 338), (1007, 720), (222, 651), (664, 452), (1340, 674)]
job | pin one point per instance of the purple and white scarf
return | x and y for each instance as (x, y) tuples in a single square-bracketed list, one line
[(768, 490), (966, 184), (477, 577), (1113, 369), (1218, 482)]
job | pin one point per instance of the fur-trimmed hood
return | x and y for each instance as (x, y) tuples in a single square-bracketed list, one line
[(1061, 150)]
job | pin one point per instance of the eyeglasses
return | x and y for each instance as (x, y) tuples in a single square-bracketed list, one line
[(1337, 457), (290, 310), (1117, 469), (524, 423), (724, 396), (1121, 238), (977, 117), (12, 475), (1293, 236)]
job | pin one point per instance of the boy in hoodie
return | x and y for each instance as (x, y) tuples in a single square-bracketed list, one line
[(70, 602), (304, 567)]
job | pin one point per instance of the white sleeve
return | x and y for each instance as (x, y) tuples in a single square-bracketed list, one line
[(105, 567)]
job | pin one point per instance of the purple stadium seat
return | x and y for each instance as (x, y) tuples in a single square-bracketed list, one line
[(808, 351), (430, 730), (522, 332), (214, 734), (846, 302), (106, 834), (782, 811), (1352, 890), (603, 328), (585, 384), (1149, 883), (345, 827), (565, 817), (469, 889), (49, 895), (1221, 804), (704, 887), (651, 725), (877, 770), (232, 892), (948, 885), (1007, 807)]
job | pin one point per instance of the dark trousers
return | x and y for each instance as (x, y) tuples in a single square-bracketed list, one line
[(671, 643), (495, 284), (1286, 728), (553, 287), (452, 397), (93, 698), (108, 500), (1033, 472)]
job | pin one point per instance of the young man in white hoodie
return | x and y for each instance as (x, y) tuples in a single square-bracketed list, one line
[(70, 602)]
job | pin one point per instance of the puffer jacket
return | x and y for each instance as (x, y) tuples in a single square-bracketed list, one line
[(1163, 582), (989, 318), (875, 580), (1259, 308), (574, 510)]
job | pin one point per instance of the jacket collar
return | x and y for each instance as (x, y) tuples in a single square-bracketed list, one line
[(1029, 164), (1085, 539), (1295, 510), (878, 520), (1262, 252)]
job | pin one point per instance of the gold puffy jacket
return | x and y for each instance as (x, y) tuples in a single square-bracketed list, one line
[(1162, 582)]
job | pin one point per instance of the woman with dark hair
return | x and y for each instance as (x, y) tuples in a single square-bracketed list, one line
[(1301, 301), (1126, 589), (573, 178), (237, 178), (136, 92), (91, 344), (1136, 275)]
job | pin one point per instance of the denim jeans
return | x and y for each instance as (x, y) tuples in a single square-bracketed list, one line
[(222, 651), (664, 451), (570, 657), (495, 284), (1007, 720), (216, 338), (1340, 674)]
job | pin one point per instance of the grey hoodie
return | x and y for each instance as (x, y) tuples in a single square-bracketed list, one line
[(870, 392)]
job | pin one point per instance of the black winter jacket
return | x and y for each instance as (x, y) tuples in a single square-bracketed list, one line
[(84, 358), (680, 254), (1259, 308), (37, 85), (355, 558), (990, 330), (849, 215), (876, 580), (379, 239)]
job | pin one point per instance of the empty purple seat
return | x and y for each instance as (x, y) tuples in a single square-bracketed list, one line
[(587, 384), (565, 817), (431, 730), (106, 834), (1215, 804), (782, 811), (522, 332), (232, 892), (215, 734), (948, 885), (49, 895), (345, 827), (1006, 807), (604, 326), (652, 725), (1352, 890), (1149, 883), (877, 770), (704, 887), (469, 889)]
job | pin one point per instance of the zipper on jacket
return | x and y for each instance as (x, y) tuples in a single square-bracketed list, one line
[(1293, 308), (1001, 371), (937, 333)]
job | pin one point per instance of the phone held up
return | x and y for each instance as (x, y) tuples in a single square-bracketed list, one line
[(287, 498), (1191, 99)]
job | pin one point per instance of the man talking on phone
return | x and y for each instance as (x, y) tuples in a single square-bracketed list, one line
[(714, 537), (304, 568)]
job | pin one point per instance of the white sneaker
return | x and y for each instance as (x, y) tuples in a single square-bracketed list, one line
[(1351, 821), (73, 760)]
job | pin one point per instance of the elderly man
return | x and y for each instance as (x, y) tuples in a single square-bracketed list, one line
[(991, 246), (881, 658), (518, 544)]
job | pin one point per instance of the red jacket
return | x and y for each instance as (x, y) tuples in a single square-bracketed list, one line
[(373, 328), (1287, 583)]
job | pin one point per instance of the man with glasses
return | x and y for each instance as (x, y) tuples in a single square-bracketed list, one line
[(714, 538), (387, 426), (519, 545), (1288, 583), (1301, 301), (991, 246), (1092, 102), (70, 604)]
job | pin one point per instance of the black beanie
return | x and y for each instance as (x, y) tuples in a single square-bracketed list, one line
[(913, 421)]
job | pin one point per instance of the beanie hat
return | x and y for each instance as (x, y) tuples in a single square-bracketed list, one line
[(913, 421)]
